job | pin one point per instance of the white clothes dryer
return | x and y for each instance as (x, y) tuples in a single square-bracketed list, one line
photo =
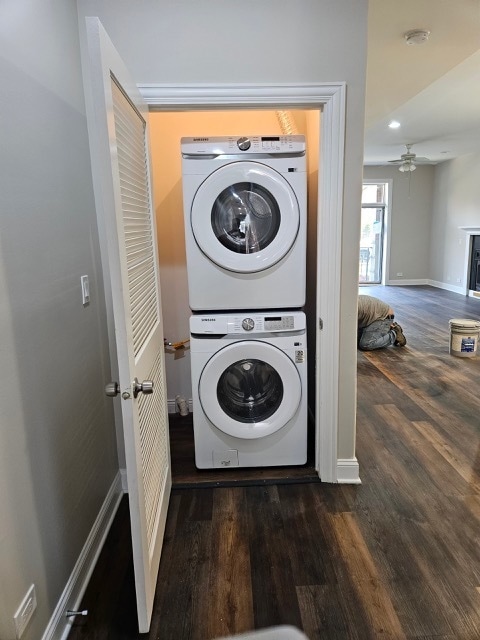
[(245, 203), (249, 381)]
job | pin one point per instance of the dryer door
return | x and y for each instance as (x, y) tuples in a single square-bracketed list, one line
[(245, 217), (250, 389)]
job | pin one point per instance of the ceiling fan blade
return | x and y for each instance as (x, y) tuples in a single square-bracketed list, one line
[(410, 158)]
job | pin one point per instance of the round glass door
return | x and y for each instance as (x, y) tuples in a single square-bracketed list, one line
[(245, 217), (250, 389)]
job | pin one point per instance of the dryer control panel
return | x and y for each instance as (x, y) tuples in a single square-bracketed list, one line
[(239, 145), (247, 323)]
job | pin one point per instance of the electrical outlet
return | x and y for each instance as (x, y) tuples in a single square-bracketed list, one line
[(400, 274), (25, 611), (459, 280)]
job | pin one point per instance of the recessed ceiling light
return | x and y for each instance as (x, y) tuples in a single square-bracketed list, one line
[(394, 124)]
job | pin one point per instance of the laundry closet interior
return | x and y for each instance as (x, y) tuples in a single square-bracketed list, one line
[(166, 131)]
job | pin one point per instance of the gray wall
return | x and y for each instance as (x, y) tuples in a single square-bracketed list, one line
[(306, 42), (456, 203), (426, 242), (409, 222), (57, 438)]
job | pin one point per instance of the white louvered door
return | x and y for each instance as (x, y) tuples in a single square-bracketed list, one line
[(118, 133)]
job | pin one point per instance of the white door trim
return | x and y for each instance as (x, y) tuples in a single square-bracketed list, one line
[(330, 98)]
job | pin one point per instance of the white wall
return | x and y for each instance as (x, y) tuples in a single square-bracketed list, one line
[(409, 221), (456, 203), (295, 42), (57, 439), (231, 41)]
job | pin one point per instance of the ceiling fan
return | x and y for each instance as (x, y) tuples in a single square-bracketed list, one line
[(409, 160)]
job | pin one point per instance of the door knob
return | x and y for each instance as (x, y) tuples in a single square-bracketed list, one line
[(145, 387), (112, 389)]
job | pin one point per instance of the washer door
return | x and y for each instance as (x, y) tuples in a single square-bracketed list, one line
[(245, 217), (250, 389)]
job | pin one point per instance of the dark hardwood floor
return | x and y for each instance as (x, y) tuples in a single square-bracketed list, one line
[(185, 475), (397, 557)]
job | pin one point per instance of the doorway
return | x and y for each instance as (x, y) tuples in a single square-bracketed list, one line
[(330, 99)]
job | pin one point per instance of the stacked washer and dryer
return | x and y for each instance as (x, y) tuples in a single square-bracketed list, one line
[(245, 231)]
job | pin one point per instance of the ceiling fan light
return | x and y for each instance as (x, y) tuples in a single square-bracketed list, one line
[(407, 166)]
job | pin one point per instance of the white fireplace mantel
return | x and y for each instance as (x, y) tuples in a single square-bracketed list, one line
[(471, 231)]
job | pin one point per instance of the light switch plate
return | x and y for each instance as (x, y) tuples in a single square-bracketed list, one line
[(85, 290)]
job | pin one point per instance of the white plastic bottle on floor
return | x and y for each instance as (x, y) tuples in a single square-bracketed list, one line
[(182, 405)]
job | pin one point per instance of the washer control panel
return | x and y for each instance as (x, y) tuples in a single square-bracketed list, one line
[(222, 324), (261, 324)]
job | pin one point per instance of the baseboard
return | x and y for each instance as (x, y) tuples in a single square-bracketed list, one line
[(431, 283), (348, 471), (446, 286), (59, 626), (403, 282), (172, 406)]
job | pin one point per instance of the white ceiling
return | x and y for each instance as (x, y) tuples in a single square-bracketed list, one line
[(432, 89)]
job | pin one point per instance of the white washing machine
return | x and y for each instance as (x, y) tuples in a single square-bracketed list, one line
[(249, 380), (245, 213)]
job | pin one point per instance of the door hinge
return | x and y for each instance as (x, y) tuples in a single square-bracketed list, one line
[(320, 324)]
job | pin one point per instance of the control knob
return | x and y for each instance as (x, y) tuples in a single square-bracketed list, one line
[(244, 144), (248, 324)]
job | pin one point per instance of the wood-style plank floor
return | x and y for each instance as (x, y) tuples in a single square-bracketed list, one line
[(397, 557), (185, 475)]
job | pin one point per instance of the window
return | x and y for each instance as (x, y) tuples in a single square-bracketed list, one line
[(374, 204)]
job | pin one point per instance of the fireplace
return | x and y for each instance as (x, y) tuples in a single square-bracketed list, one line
[(475, 265)]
